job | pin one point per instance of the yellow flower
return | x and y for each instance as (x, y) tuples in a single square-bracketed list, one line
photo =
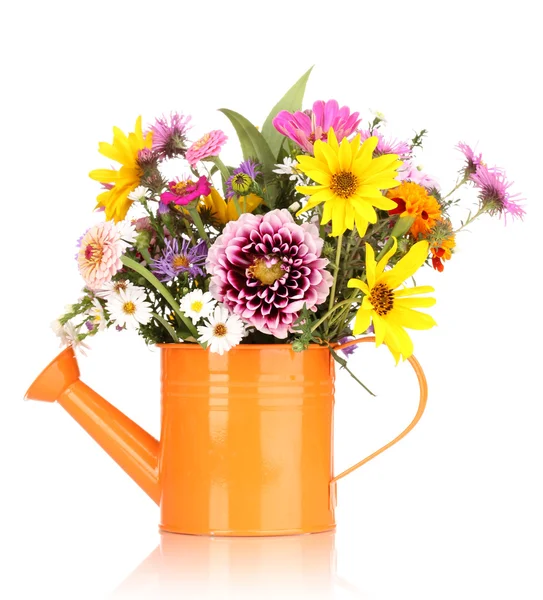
[(391, 309), (226, 211), (350, 181), (125, 151)]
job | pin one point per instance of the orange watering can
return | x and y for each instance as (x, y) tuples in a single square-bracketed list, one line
[(246, 438)]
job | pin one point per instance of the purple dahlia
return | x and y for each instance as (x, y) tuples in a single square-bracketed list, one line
[(266, 267)]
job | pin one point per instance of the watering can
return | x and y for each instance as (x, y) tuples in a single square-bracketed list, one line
[(246, 442)]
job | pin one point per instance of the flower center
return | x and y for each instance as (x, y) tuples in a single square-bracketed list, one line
[(197, 306), (129, 308), (266, 274), (93, 253), (180, 262), (241, 182), (181, 187), (220, 330), (344, 184), (203, 140), (382, 299)]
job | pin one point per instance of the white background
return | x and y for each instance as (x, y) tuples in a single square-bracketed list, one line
[(454, 510)]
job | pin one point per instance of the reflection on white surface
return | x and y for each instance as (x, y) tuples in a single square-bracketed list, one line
[(185, 566)]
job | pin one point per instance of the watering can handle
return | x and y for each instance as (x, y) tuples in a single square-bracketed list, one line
[(422, 405)]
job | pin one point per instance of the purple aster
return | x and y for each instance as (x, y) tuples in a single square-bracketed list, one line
[(242, 178), (387, 145), (472, 160), (266, 267), (169, 135), (494, 192), (175, 261)]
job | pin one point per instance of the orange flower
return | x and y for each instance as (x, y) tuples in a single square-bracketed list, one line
[(442, 242), (414, 201)]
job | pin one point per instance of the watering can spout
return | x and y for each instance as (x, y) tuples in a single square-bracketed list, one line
[(130, 446)]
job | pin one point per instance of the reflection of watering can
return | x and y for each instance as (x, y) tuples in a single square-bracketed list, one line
[(246, 437)]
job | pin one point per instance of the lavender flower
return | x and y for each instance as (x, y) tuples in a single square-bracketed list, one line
[(175, 260), (494, 192), (169, 135)]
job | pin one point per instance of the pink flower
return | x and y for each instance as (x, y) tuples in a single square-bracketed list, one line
[(266, 267), (494, 192), (208, 145), (306, 127), (169, 135), (100, 251), (386, 146), (472, 160), (185, 191), (409, 172)]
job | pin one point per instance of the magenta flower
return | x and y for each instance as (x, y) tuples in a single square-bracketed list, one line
[(472, 160), (175, 260), (170, 135), (208, 145), (494, 192), (386, 145), (306, 127), (266, 267), (184, 191)]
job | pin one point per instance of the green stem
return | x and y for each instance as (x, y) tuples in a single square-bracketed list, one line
[(470, 219), (456, 187), (161, 289), (346, 310), (166, 326), (333, 309), (198, 222), (336, 271), (235, 198)]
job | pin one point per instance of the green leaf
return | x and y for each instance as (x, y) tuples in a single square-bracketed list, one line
[(253, 145), (291, 101), (343, 363)]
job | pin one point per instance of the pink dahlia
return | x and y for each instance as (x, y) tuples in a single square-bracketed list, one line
[(386, 145), (100, 251), (208, 145), (184, 191), (494, 192), (306, 127), (266, 267)]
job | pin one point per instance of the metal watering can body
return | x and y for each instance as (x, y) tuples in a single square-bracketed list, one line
[(246, 444)]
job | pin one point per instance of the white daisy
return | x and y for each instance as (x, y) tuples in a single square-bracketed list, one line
[(127, 233), (113, 288), (69, 336), (140, 193), (197, 305), (97, 316), (129, 307), (289, 167), (222, 331)]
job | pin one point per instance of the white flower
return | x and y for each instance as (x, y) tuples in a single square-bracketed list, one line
[(379, 115), (127, 233), (197, 305), (69, 336), (222, 331), (129, 307), (97, 316), (288, 167), (113, 288), (140, 193)]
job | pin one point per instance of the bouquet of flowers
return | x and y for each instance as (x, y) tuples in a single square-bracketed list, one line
[(312, 238)]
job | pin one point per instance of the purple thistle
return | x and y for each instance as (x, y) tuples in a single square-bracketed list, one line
[(246, 174), (473, 161), (493, 192), (169, 135), (175, 261)]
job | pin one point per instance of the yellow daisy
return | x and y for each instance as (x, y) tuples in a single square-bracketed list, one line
[(391, 309), (350, 181), (226, 211), (124, 150)]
